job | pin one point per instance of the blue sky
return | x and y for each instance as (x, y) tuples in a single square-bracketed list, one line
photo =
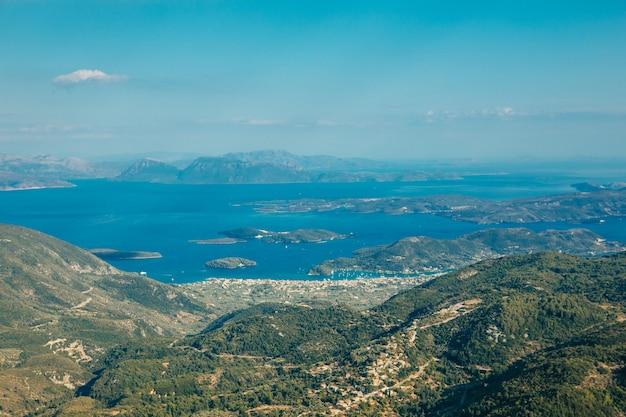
[(378, 79)]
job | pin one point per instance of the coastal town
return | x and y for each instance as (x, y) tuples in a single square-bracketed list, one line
[(226, 295)]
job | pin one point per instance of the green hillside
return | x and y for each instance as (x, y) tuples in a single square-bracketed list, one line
[(62, 308), (528, 335)]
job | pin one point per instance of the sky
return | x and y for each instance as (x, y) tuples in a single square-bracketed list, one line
[(377, 79)]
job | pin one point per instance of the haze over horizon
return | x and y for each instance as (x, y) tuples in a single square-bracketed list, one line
[(384, 80)]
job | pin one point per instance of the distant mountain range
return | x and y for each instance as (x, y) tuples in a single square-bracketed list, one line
[(272, 167), (311, 163), (261, 167)]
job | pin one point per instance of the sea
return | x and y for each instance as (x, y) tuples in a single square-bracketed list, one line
[(168, 218)]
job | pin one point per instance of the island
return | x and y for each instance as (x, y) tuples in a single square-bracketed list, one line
[(292, 237), (118, 255), (230, 263), (217, 241), (576, 208)]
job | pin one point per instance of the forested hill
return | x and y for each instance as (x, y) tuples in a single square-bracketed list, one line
[(536, 335), (417, 254)]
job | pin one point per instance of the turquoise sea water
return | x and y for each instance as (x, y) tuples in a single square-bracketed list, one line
[(164, 218)]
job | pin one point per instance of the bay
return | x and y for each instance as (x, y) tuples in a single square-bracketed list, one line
[(166, 218)]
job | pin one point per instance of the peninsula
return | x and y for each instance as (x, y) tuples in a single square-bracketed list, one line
[(422, 254)]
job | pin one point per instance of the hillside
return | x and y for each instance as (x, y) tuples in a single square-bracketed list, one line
[(62, 308), (418, 254), (536, 335)]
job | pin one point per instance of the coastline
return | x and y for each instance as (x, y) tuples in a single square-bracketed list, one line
[(43, 187)]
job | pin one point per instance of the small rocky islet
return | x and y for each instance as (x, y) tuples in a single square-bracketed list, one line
[(232, 262)]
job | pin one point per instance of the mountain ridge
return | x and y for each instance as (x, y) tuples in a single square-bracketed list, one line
[(472, 341)]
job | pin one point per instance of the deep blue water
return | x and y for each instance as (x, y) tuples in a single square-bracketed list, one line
[(164, 218)]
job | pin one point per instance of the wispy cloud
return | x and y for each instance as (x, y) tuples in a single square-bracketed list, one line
[(53, 131), (261, 122), (508, 113), (89, 76), (50, 128), (505, 112)]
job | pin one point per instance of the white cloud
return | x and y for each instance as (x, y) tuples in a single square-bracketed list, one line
[(87, 75), (262, 122), (47, 128), (505, 111)]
